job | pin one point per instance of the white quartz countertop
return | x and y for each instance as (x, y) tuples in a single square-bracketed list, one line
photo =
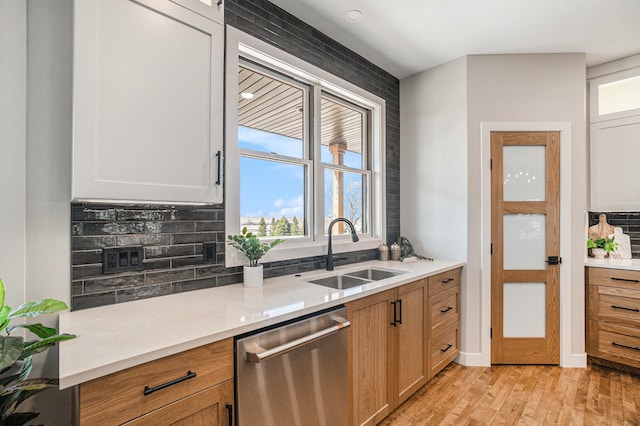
[(629, 264), (115, 337)]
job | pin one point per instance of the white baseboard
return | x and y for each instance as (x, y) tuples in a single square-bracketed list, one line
[(470, 359), (575, 361)]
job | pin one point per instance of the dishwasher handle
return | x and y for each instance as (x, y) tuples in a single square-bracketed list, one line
[(262, 354)]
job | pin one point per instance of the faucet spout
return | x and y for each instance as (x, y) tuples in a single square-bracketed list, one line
[(354, 238)]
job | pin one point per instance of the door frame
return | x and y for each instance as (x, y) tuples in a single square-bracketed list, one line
[(566, 358)]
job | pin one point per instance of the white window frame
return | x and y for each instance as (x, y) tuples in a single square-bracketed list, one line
[(243, 45)]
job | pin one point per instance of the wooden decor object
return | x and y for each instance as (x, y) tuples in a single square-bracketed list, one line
[(602, 229)]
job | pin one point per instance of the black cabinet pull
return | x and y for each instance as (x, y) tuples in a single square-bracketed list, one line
[(395, 313), (447, 281), (625, 346), (625, 279), (444, 311), (219, 3), (149, 390), (229, 408), (449, 346), (625, 309), (400, 311), (219, 159)]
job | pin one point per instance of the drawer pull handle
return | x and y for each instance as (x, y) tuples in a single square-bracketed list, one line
[(218, 160), (449, 346), (447, 281), (625, 279), (444, 311), (625, 309), (229, 408), (395, 313), (149, 390), (625, 346)]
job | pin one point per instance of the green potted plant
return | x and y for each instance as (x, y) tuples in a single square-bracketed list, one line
[(253, 249), (16, 356), (602, 247)]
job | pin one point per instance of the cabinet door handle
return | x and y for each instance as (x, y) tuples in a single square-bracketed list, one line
[(625, 309), (219, 3), (449, 346), (399, 311), (219, 160), (149, 390), (625, 346), (444, 311), (447, 281), (229, 408), (395, 313), (625, 279)]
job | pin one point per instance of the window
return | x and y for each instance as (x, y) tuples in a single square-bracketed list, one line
[(302, 148)]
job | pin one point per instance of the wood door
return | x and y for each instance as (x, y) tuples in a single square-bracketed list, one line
[(370, 352), (210, 407), (525, 234), (411, 339)]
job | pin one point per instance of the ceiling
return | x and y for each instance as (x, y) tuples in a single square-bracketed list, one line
[(404, 37)]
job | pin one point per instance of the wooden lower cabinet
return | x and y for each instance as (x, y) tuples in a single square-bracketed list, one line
[(390, 356), (189, 388), (613, 317)]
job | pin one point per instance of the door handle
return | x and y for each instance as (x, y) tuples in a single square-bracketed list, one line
[(444, 311), (399, 310), (219, 159), (395, 313), (554, 260), (149, 390), (229, 408)]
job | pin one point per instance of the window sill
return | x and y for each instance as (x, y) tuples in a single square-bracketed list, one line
[(289, 251)]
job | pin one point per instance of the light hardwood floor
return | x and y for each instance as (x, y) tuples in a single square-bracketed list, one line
[(523, 395)]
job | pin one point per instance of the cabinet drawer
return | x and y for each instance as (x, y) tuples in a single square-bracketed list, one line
[(120, 396), (614, 305), (445, 347), (444, 306), (444, 281), (615, 343), (614, 278)]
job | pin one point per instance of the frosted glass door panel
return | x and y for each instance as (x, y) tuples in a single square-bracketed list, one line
[(524, 310), (525, 241), (524, 170)]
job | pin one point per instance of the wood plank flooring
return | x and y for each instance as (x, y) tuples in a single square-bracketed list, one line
[(523, 395)]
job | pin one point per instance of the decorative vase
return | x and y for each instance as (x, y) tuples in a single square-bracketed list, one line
[(598, 253), (253, 276)]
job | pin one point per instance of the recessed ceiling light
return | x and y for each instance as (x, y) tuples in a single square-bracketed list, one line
[(353, 16), (247, 95)]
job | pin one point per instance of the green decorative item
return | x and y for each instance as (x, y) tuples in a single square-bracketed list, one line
[(16, 353), (251, 246), (607, 244)]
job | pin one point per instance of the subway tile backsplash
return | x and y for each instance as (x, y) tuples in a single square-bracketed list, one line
[(172, 236), (628, 221)]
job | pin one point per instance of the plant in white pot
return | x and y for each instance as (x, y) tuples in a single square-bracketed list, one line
[(253, 249), (602, 247)]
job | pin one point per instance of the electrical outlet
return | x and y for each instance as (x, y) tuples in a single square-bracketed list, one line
[(209, 252), (121, 259)]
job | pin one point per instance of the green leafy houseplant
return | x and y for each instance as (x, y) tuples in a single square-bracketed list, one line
[(608, 244), (16, 353), (251, 246)]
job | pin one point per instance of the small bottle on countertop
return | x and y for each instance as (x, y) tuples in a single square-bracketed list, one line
[(383, 251), (395, 251)]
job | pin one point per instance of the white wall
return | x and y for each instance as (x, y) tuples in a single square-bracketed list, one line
[(35, 164), (442, 111), (13, 128), (433, 172)]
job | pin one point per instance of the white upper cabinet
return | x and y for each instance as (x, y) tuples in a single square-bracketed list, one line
[(615, 137), (148, 93)]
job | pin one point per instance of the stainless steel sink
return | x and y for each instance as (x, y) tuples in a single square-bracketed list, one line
[(340, 282), (349, 279), (374, 274)]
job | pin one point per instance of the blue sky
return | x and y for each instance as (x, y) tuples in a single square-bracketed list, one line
[(272, 189)]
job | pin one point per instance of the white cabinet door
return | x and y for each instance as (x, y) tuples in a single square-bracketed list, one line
[(615, 149), (212, 9), (148, 81)]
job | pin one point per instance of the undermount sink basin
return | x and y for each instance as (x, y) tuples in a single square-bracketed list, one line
[(340, 282), (345, 280)]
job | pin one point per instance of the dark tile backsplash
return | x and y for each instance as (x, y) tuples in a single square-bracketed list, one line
[(172, 236), (628, 221)]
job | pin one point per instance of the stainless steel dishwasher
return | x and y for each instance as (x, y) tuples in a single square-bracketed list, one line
[(294, 373)]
